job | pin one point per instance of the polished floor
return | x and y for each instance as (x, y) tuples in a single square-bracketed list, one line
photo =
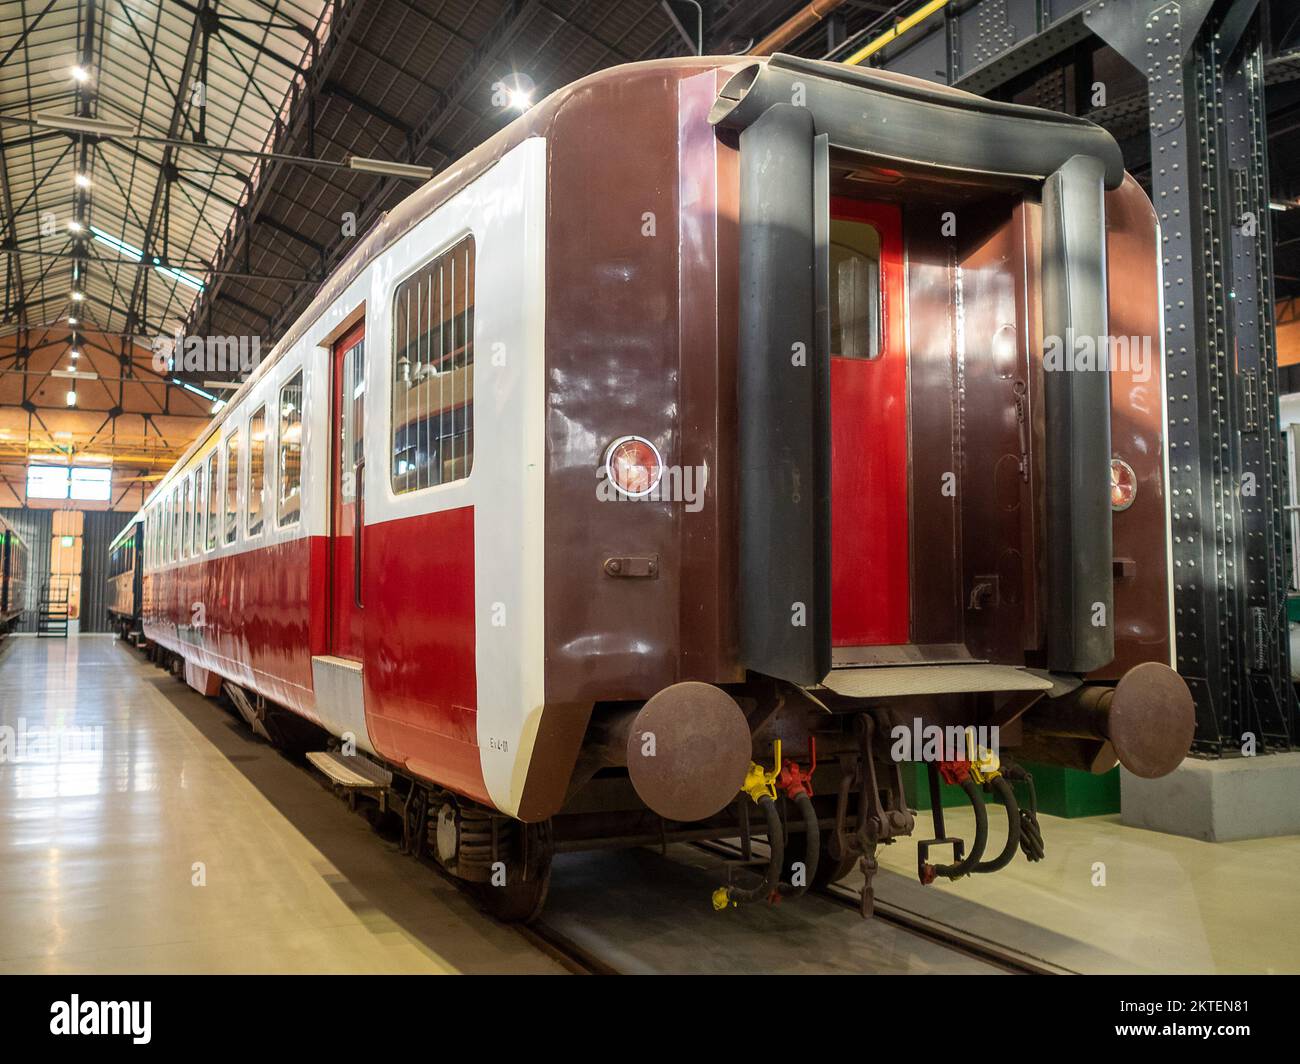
[(151, 791), (157, 834)]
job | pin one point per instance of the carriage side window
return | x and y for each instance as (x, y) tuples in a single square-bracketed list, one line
[(433, 372), (176, 524), (232, 486), (200, 508), (855, 290), (256, 470), (186, 520), (290, 503), (212, 499)]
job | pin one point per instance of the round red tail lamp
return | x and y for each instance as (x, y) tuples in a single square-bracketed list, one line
[(1123, 485), (633, 465)]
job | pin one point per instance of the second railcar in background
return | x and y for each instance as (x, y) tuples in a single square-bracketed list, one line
[(686, 457), (126, 579), (13, 577)]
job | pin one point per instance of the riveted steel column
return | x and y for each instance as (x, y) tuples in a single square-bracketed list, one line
[(1227, 478)]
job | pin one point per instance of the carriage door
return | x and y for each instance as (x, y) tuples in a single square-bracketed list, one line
[(346, 540), (869, 486)]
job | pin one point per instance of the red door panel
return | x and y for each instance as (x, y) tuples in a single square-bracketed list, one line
[(869, 489)]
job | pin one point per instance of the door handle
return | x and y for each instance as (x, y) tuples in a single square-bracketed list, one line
[(357, 525)]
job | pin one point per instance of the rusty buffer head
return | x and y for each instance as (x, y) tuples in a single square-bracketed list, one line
[(1152, 720), (688, 751)]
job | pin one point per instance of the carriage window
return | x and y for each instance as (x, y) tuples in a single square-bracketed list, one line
[(256, 469), (176, 523), (352, 422), (290, 450), (232, 487), (186, 520), (200, 507), (212, 500), (855, 290), (433, 372)]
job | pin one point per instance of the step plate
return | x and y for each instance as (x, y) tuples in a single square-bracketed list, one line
[(352, 772), (895, 681)]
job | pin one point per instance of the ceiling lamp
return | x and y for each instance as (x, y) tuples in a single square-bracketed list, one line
[(100, 127), (389, 169)]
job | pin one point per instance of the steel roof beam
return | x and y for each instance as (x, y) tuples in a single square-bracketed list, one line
[(343, 24)]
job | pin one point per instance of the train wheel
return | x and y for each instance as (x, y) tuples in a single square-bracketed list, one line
[(509, 876), (515, 903), (830, 869)]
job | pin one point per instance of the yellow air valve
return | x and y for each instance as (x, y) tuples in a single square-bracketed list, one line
[(759, 784), (984, 763), (758, 781)]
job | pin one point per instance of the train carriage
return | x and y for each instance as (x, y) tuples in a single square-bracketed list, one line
[(683, 449), (13, 578), (126, 578)]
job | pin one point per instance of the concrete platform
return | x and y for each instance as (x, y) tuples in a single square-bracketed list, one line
[(1111, 899), (102, 841), (99, 842), (1219, 801)]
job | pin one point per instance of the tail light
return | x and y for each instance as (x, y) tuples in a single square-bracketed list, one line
[(633, 465), (1123, 485)]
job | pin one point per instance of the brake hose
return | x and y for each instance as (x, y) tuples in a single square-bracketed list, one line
[(776, 859), (1008, 796), (964, 866), (812, 848)]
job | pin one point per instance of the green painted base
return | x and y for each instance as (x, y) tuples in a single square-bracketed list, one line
[(1064, 792)]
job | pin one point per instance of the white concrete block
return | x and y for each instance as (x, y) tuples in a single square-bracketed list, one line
[(1218, 800)]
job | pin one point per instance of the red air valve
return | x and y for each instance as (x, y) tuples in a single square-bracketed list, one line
[(794, 780), (954, 772)]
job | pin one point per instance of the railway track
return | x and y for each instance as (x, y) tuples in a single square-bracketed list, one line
[(570, 955), (604, 947), (1008, 960)]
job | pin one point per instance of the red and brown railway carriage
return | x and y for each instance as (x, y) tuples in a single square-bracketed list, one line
[(125, 578), (710, 404)]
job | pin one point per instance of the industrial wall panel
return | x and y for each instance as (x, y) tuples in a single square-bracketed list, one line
[(99, 531), (36, 527)]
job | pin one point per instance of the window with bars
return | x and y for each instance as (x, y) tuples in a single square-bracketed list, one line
[(200, 507), (352, 427), (256, 469), (232, 486), (433, 372), (173, 551), (212, 498), (186, 520), (290, 442)]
